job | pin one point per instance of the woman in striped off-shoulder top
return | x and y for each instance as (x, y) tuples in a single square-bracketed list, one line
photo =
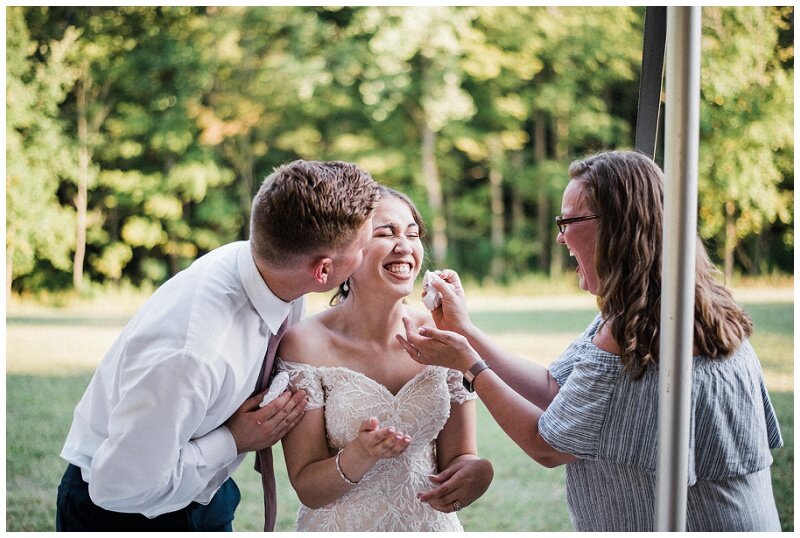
[(595, 408)]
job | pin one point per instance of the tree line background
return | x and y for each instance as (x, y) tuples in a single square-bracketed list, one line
[(137, 136)]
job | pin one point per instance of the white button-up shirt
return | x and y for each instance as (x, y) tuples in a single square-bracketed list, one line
[(149, 432)]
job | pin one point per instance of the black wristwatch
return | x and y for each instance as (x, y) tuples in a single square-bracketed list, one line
[(472, 373)]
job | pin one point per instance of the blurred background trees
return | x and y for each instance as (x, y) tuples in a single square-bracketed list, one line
[(136, 136)]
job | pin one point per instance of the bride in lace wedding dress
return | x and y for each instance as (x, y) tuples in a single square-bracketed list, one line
[(385, 444)]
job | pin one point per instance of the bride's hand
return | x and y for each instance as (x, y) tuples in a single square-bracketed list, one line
[(371, 444), (381, 442)]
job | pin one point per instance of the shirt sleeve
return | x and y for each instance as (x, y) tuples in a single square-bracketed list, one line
[(306, 377), (574, 419), (458, 394), (152, 461)]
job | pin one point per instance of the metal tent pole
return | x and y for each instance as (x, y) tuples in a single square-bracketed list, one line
[(681, 139)]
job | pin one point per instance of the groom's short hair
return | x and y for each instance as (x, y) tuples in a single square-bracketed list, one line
[(310, 208)]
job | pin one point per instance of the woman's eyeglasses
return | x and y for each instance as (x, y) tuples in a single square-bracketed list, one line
[(562, 222)]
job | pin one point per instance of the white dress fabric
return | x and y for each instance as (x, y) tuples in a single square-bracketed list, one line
[(386, 497)]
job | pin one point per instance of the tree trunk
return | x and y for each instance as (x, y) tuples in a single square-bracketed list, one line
[(758, 250), (560, 150), (9, 267), (517, 225), (730, 240), (542, 195), (498, 238), (741, 253), (239, 151), (82, 196), (433, 186), (246, 187)]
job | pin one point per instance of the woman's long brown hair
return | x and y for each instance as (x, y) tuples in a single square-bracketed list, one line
[(627, 189)]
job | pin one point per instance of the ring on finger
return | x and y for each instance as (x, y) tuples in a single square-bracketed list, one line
[(457, 506), (418, 352)]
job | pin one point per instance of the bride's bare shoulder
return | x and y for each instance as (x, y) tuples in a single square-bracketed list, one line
[(304, 340)]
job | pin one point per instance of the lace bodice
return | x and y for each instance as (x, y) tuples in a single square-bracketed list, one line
[(385, 498)]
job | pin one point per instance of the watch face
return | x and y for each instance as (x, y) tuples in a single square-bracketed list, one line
[(467, 385)]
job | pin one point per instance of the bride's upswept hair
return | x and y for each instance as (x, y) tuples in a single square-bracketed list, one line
[(384, 192), (627, 189)]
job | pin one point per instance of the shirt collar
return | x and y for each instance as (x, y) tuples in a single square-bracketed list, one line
[(272, 309)]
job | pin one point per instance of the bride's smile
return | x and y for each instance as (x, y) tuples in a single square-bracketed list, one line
[(402, 269), (394, 254)]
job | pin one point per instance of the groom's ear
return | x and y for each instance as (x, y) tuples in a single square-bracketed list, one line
[(321, 269)]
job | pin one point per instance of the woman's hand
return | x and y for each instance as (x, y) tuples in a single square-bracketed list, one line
[(441, 348), (459, 485), (452, 314)]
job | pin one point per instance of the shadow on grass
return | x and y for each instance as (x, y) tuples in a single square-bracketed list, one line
[(77, 321), (768, 318)]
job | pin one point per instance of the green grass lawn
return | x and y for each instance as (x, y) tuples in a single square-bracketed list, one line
[(41, 394)]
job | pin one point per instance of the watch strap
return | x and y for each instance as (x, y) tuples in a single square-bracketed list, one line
[(472, 373)]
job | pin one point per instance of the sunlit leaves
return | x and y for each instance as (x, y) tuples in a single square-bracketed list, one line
[(143, 232), (744, 127), (39, 229), (113, 260)]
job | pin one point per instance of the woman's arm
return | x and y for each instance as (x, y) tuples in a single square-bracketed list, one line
[(528, 379), (516, 415)]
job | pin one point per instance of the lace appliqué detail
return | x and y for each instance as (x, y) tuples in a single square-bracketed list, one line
[(386, 497), (303, 376)]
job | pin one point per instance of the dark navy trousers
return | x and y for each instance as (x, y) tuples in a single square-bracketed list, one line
[(75, 511)]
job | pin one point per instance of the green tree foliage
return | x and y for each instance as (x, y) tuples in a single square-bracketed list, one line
[(39, 155), (137, 136), (747, 132), (549, 84)]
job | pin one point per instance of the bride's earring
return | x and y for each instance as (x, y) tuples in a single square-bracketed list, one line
[(346, 286)]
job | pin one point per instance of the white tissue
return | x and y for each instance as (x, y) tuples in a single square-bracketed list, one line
[(276, 388), (430, 297)]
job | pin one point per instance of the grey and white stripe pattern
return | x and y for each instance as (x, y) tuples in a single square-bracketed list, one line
[(610, 422)]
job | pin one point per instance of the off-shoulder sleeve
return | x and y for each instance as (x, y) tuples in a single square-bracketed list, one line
[(306, 377), (573, 422), (561, 368), (458, 394)]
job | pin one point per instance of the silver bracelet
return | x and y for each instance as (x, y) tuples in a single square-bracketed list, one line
[(339, 468)]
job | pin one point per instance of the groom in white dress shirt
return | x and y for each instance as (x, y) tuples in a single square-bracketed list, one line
[(162, 426)]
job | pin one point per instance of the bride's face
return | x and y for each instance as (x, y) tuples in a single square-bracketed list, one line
[(393, 256)]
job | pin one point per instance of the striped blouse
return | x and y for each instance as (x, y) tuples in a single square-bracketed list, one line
[(609, 421)]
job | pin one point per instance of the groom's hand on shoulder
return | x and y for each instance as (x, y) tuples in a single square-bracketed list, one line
[(254, 428)]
